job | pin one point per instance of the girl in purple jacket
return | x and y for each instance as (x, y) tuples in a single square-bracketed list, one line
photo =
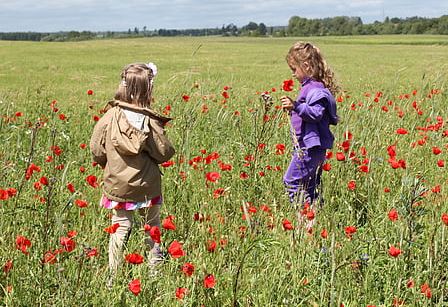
[(311, 113)]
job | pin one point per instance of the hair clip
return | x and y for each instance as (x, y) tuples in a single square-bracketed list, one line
[(153, 68)]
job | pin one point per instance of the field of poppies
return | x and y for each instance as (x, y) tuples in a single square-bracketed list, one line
[(229, 233)]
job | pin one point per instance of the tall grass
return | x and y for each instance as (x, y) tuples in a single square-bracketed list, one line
[(256, 261)]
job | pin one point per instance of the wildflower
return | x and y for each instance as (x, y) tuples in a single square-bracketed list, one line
[(211, 246), (212, 176), (436, 150), (324, 233), (112, 229), (175, 249), (394, 252), (288, 85), (244, 175), (349, 231), (445, 218), (181, 292), (351, 185), (81, 203), (135, 287), (185, 98), (7, 266), (441, 163), (89, 92), (326, 167), (188, 268), (67, 243), (393, 215), (340, 156), (91, 180), (22, 244), (209, 281), (426, 290), (154, 233), (71, 187), (402, 131), (134, 258), (287, 225), (168, 224), (279, 149), (218, 192), (168, 163)]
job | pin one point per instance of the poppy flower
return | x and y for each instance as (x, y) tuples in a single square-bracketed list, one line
[(436, 150), (168, 224), (175, 249), (112, 229), (181, 292), (71, 187), (134, 258), (212, 176), (188, 268), (89, 92), (402, 131), (218, 192), (209, 281), (211, 246), (349, 231), (324, 233), (244, 175), (287, 225), (91, 180), (351, 185), (393, 215), (67, 243), (50, 257), (81, 203), (340, 156), (394, 251), (441, 163), (445, 218), (426, 290), (22, 244), (154, 233), (168, 163), (288, 85), (279, 149), (135, 287), (185, 98), (7, 266)]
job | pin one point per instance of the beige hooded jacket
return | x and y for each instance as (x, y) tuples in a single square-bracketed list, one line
[(129, 156)]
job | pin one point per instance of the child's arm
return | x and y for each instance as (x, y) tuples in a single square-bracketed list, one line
[(97, 143), (311, 112)]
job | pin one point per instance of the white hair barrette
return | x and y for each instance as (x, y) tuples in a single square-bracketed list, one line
[(153, 68)]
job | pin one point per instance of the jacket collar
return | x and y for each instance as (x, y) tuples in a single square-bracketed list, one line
[(147, 111)]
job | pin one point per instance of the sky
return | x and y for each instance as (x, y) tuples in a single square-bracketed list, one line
[(120, 15)]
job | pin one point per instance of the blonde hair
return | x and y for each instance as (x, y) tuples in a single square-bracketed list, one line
[(317, 68), (136, 85)]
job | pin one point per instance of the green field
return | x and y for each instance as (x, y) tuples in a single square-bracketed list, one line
[(389, 82)]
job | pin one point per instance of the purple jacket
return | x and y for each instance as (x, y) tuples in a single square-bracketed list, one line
[(314, 111)]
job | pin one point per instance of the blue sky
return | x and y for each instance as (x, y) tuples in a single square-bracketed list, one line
[(119, 15)]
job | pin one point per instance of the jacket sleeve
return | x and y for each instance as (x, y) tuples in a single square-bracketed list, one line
[(312, 112), (98, 142)]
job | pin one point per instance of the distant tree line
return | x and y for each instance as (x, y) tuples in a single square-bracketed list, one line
[(297, 26)]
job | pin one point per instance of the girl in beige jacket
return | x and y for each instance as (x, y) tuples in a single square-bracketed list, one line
[(129, 142)]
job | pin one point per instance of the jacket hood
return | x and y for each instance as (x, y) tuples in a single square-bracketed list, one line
[(147, 111)]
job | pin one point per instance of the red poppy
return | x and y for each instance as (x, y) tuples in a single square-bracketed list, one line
[(426, 290), (351, 185), (244, 175), (168, 163), (280, 149), (394, 251), (81, 203), (89, 92), (218, 192), (287, 225), (112, 229), (340, 156), (91, 252), (441, 163), (50, 257), (211, 246), (185, 98), (402, 131), (225, 95), (209, 281), (326, 167), (349, 231), (436, 150), (175, 249), (181, 292), (22, 244), (288, 85), (324, 233), (393, 215), (71, 187), (212, 176), (168, 224), (91, 180), (67, 243), (135, 287), (7, 266), (445, 218), (134, 258), (154, 233), (188, 268), (30, 170)]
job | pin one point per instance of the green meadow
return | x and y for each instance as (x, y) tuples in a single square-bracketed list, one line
[(380, 239)]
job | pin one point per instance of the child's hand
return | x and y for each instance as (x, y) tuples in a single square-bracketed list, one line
[(287, 103)]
